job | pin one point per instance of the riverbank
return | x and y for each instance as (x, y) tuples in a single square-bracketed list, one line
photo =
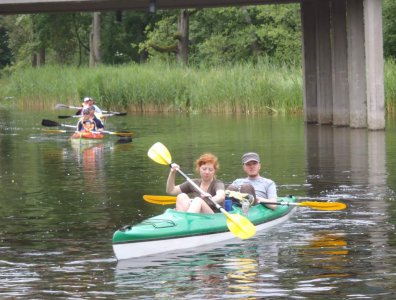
[(159, 87)]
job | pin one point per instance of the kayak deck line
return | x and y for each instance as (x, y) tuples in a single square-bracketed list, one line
[(152, 222)]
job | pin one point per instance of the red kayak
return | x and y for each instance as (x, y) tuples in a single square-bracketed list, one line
[(87, 136)]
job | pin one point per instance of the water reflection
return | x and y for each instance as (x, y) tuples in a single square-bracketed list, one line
[(339, 159), (91, 158), (330, 252), (242, 275), (349, 164), (230, 272), (60, 207)]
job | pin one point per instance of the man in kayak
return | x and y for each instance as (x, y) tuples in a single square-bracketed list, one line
[(262, 189), (188, 199), (90, 102)]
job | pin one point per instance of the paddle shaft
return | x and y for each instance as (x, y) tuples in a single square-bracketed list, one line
[(282, 203), (80, 107), (103, 115), (69, 131), (166, 200), (172, 199), (53, 124)]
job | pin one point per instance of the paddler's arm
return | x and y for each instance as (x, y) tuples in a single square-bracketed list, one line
[(219, 197), (272, 197), (79, 126), (171, 188), (263, 201)]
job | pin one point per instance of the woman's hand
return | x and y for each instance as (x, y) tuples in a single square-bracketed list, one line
[(206, 195), (174, 167), (171, 188)]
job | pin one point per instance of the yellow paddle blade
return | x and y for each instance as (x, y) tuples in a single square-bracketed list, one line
[(160, 154), (124, 134), (55, 130), (323, 205), (162, 200), (240, 226)]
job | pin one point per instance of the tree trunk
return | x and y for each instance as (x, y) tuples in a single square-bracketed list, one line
[(41, 57), (255, 46), (94, 41), (182, 45), (34, 59)]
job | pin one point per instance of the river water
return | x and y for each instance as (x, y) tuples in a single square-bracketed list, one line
[(60, 205)]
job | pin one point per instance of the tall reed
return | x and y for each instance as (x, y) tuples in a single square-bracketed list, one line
[(246, 88), (390, 85)]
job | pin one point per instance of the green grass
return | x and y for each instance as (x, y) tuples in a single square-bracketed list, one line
[(390, 86), (244, 88), (247, 88)]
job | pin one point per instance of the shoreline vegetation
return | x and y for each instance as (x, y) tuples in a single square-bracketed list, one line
[(263, 87)]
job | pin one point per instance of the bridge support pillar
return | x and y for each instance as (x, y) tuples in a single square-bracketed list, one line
[(374, 64), (343, 63), (341, 113), (309, 62), (357, 69)]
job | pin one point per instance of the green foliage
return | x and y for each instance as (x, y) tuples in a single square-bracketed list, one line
[(230, 35), (161, 35), (279, 32), (125, 35), (389, 25), (226, 38), (20, 40), (5, 52), (57, 33)]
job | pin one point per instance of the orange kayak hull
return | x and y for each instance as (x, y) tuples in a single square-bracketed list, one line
[(87, 136)]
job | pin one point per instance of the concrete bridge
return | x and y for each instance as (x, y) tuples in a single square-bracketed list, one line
[(342, 50)]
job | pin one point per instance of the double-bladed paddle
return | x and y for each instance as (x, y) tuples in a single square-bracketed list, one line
[(237, 224), (79, 107), (168, 200), (103, 115), (50, 123), (122, 140)]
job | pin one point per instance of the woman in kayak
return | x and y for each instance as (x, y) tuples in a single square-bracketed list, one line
[(188, 199)]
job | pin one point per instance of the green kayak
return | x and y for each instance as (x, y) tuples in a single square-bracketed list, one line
[(175, 230)]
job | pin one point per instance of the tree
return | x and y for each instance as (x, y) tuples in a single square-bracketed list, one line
[(94, 41), (5, 52), (182, 36), (121, 34), (228, 35)]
